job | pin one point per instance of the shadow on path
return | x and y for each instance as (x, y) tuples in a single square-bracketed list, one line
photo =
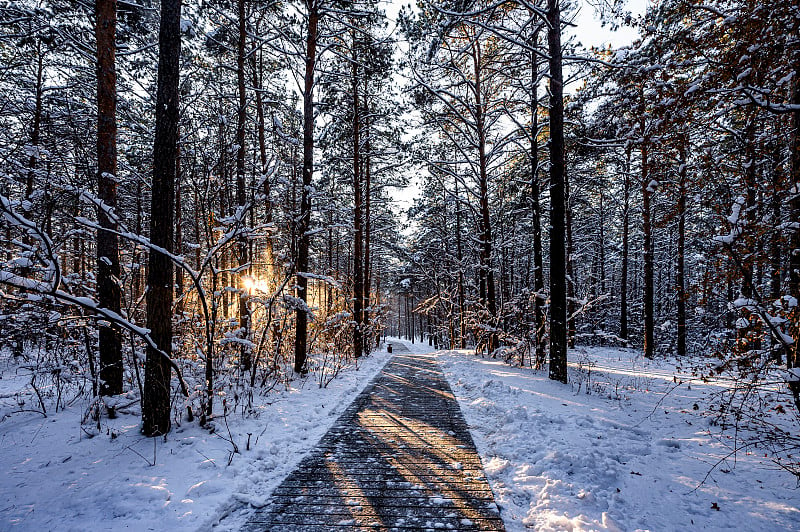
[(399, 458)]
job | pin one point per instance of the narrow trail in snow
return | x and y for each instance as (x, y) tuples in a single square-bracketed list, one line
[(399, 458)]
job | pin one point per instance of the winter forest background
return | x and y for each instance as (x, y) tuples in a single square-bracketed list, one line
[(198, 200)]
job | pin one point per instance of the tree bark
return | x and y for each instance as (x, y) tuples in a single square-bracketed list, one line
[(539, 299), (156, 400), (179, 273), (681, 252), (794, 252), (571, 275), (623, 287), (776, 254), (37, 116), (245, 354), (108, 269), (487, 290), (462, 308), (649, 318), (367, 221), (358, 231), (558, 272), (269, 252), (301, 330)]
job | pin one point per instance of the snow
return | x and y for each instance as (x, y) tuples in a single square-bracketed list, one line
[(54, 476), (632, 454), (736, 209), (621, 448)]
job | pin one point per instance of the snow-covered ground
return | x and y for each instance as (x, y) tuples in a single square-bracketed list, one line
[(627, 456), (54, 477)]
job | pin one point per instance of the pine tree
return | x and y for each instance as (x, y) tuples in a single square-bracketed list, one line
[(108, 268), (160, 275), (558, 273)]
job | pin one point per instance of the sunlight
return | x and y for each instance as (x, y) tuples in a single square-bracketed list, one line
[(252, 284), (357, 502), (441, 469)]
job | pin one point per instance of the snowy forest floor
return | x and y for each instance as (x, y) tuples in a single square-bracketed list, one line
[(631, 454)]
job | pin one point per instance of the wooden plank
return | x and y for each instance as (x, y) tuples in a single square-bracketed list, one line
[(399, 458)]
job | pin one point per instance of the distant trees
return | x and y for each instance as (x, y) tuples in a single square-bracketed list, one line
[(678, 207), (468, 87)]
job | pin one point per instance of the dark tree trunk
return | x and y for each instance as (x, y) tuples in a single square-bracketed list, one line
[(367, 222), (649, 319), (269, 253), (460, 257), (746, 340), (776, 253), (301, 331), (623, 287), (602, 261), (358, 230), (749, 211), (38, 109), (486, 271), (156, 400), (108, 269), (245, 354), (179, 279), (794, 251), (138, 274), (558, 270), (681, 253), (571, 280)]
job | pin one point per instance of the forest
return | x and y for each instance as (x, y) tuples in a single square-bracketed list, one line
[(199, 201)]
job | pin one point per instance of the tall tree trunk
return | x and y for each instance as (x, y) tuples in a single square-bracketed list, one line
[(138, 272), (572, 282), (647, 191), (794, 251), (558, 270), (156, 400), (108, 269), (460, 257), (245, 354), (301, 331), (222, 166), (746, 340), (269, 253), (681, 253), (602, 260), (179, 278), (358, 231), (776, 253), (38, 109), (486, 271), (367, 207), (623, 286)]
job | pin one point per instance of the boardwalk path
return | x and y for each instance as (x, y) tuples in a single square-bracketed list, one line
[(399, 458)]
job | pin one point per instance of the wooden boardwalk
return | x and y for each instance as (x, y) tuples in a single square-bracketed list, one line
[(399, 458)]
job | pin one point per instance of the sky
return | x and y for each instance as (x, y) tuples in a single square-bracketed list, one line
[(591, 33)]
